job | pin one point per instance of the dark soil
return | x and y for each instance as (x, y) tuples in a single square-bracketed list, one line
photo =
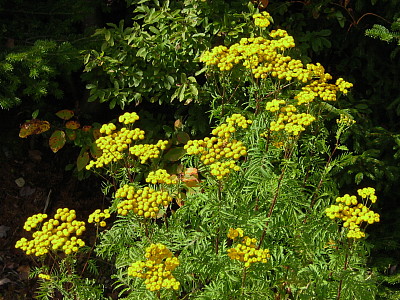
[(33, 180)]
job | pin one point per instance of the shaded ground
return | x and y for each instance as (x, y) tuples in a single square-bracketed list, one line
[(33, 180)]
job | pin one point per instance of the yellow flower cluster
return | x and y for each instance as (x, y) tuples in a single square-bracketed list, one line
[(262, 56), (246, 251), (157, 269), (234, 233), (273, 106), (114, 144), (343, 85), (305, 97), (320, 86), (128, 118), (147, 151), (55, 234), (33, 221), (354, 213), (367, 193), (262, 19), (143, 202), (160, 176), (221, 147), (99, 216), (290, 121), (108, 128), (345, 120), (44, 276)]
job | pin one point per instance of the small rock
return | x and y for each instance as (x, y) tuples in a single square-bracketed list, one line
[(3, 231), (20, 182), (26, 191)]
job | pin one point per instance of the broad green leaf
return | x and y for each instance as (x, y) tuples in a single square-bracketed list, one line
[(65, 114), (33, 127), (107, 35), (95, 151), (175, 154), (182, 137), (142, 52), (35, 114), (82, 160), (57, 140)]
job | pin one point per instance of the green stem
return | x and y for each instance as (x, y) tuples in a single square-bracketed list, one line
[(219, 196), (243, 280)]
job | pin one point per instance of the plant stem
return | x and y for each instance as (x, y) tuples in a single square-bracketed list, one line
[(314, 197), (219, 196), (271, 208), (288, 154), (346, 263), (243, 280), (91, 250)]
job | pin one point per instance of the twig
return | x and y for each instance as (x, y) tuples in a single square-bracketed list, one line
[(47, 201)]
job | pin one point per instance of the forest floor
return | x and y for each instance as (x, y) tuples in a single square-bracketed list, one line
[(33, 180)]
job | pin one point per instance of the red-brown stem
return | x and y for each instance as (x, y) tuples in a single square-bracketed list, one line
[(91, 250), (346, 261), (288, 154), (323, 175), (218, 229), (271, 208)]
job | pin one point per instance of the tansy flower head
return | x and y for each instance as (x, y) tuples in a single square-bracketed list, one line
[(157, 269), (353, 213)]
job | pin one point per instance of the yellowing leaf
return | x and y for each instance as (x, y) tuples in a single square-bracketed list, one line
[(33, 127), (190, 178), (65, 114), (72, 125), (57, 140), (96, 133)]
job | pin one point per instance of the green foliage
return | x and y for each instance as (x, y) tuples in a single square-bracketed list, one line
[(384, 34), (31, 72), (152, 59), (63, 283)]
